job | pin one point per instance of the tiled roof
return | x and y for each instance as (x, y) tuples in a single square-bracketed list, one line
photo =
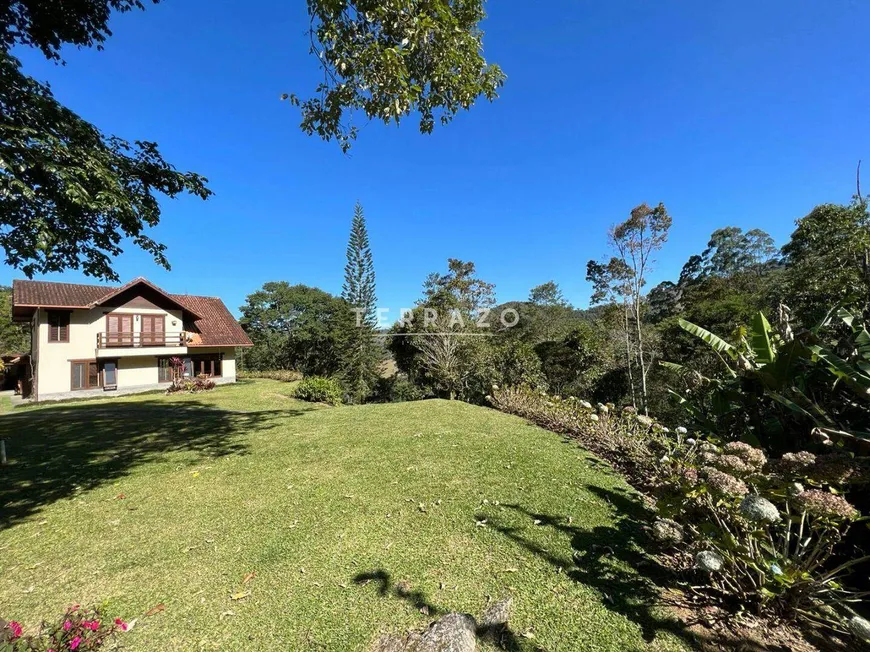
[(216, 327), (214, 323), (58, 295)]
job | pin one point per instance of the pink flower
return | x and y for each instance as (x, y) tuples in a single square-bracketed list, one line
[(120, 623), (93, 625), (67, 625), (15, 628), (73, 644)]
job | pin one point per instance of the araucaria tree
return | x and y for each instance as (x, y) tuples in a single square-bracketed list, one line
[(635, 242), (362, 355)]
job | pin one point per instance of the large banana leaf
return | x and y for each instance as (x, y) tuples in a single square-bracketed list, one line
[(717, 343), (853, 378), (761, 345)]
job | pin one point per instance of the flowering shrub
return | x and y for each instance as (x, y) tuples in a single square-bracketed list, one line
[(764, 534), (79, 630), (201, 383)]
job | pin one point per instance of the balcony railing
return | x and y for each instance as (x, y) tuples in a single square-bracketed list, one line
[(139, 340)]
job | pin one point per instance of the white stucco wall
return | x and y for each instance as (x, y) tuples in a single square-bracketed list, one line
[(55, 358)]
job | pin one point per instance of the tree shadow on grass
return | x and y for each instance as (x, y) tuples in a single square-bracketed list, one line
[(501, 636), (610, 559), (58, 451)]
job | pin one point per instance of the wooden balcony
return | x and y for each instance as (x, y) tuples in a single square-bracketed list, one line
[(140, 340)]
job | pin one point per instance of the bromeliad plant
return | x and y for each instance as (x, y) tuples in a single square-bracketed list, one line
[(779, 389)]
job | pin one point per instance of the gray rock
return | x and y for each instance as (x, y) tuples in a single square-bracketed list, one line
[(454, 632), (497, 614)]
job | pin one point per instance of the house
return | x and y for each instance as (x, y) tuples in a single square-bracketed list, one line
[(90, 339)]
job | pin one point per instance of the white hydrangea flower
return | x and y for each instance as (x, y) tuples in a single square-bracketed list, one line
[(681, 431), (665, 459), (709, 561), (603, 408), (860, 627), (759, 510), (795, 489), (594, 417), (586, 404), (691, 442), (667, 531), (644, 420)]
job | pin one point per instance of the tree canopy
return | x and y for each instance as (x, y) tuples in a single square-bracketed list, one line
[(390, 58)]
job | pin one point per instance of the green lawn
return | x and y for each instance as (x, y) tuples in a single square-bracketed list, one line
[(356, 520)]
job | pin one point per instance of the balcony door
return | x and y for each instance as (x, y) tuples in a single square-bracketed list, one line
[(153, 330), (119, 330)]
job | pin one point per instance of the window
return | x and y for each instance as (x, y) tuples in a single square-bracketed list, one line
[(209, 365), (58, 326), (153, 332), (90, 374), (85, 375), (110, 374), (165, 372)]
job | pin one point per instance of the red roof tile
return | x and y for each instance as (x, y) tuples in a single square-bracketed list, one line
[(58, 295), (214, 323), (216, 327)]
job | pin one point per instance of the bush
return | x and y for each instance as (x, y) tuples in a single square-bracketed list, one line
[(201, 383), (769, 535), (78, 629), (284, 375), (317, 389), (397, 389)]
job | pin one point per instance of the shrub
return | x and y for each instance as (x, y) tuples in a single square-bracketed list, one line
[(78, 629), (769, 535), (284, 375), (317, 389), (201, 383), (397, 389)]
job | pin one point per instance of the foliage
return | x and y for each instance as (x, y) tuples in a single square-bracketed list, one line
[(14, 338), (284, 375), (68, 193), (623, 278), (388, 59), (766, 535), (317, 389), (361, 354), (778, 389), (296, 327), (397, 389), (458, 289), (201, 383), (78, 629), (764, 540), (731, 252), (828, 261), (38, 24)]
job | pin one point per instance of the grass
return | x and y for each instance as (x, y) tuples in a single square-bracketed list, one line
[(354, 520)]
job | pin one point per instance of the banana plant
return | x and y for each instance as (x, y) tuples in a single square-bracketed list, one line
[(775, 390)]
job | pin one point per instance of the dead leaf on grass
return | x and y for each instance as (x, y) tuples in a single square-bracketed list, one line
[(249, 577), (120, 497), (156, 610), (241, 595), (224, 614)]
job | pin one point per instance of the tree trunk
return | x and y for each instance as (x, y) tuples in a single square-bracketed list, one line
[(625, 330), (640, 353)]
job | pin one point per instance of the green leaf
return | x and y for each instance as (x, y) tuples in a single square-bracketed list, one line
[(716, 343), (761, 345)]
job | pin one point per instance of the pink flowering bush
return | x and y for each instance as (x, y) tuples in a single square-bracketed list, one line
[(78, 630)]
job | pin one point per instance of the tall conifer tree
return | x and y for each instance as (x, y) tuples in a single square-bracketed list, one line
[(362, 357)]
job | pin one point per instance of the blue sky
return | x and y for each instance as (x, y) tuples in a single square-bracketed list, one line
[(732, 113)]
